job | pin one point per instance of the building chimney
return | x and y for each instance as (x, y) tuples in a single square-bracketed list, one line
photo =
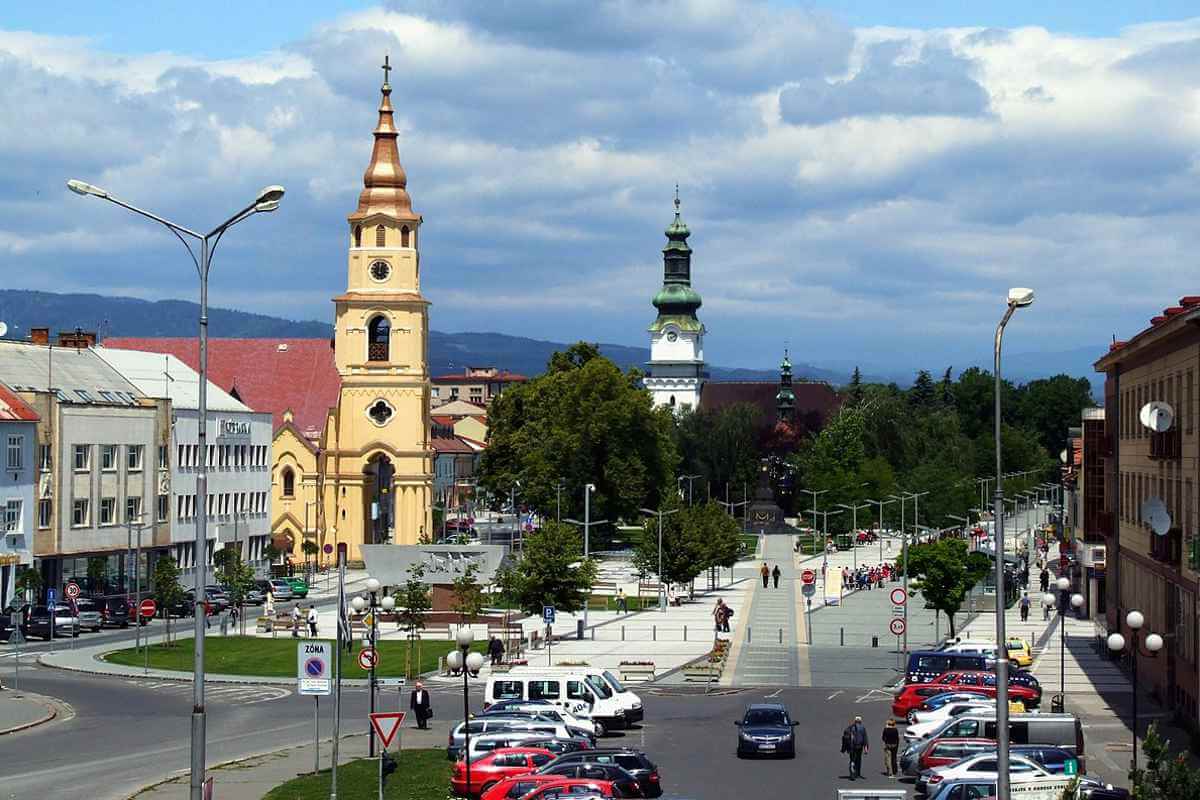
[(39, 335), (78, 338)]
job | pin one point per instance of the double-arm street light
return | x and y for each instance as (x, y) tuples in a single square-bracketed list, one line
[(1063, 585), (854, 527), (1153, 643), (375, 604), (662, 590), (1017, 298), (881, 504), (470, 663), (587, 524), (266, 201), (815, 494), (689, 479)]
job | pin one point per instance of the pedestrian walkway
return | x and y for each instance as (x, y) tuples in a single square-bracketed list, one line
[(22, 710), (768, 652)]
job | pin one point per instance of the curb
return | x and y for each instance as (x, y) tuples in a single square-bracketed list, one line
[(52, 712), (186, 677)]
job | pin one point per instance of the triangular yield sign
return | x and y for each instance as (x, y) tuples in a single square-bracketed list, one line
[(387, 725)]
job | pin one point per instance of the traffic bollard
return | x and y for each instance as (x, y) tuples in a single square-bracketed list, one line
[(685, 633), (842, 637), (874, 641), (654, 633), (749, 638), (781, 635)]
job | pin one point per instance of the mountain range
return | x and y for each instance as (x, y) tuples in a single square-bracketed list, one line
[(448, 352)]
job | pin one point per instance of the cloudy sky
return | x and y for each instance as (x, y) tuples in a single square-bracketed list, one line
[(862, 181)]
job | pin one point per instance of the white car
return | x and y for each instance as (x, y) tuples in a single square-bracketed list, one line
[(982, 766), (551, 712), (924, 723)]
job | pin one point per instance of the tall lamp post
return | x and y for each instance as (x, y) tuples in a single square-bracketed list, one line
[(1153, 643), (266, 201), (881, 504), (1063, 585), (470, 663), (1017, 298), (662, 590), (854, 527), (587, 524), (375, 604), (689, 479)]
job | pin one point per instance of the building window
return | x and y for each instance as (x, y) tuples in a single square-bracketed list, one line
[(289, 482), (83, 457), (133, 509), (164, 507), (44, 458), (108, 457), (358, 235), (380, 236), (108, 511), (453, 392), (79, 513), (134, 457), (45, 509), (15, 445), (476, 394), (12, 515), (404, 236), (163, 457), (379, 335)]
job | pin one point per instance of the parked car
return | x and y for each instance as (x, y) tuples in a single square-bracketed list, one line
[(1054, 759), (37, 621), (217, 596), (575, 727), (939, 700), (923, 723), (620, 777), (490, 769), (486, 743), (911, 697), (559, 746), (1021, 685), (982, 767), (281, 589), (580, 789), (299, 587), (637, 763), (116, 611), (943, 752), (925, 665), (88, 612), (766, 729), (480, 727), (1019, 651), (1050, 730)]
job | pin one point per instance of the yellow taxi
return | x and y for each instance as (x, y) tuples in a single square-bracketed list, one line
[(1019, 651)]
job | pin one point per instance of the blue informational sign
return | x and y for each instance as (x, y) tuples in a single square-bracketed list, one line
[(50, 596), (548, 614)]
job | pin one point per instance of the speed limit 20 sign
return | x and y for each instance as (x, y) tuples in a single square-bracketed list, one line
[(896, 626)]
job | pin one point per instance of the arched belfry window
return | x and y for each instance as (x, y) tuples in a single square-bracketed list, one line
[(672, 401), (404, 236), (358, 235), (379, 334), (380, 236), (289, 482)]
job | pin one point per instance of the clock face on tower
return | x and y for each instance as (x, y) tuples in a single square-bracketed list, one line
[(380, 270), (672, 336)]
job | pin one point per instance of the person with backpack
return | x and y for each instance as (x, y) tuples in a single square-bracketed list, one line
[(854, 744)]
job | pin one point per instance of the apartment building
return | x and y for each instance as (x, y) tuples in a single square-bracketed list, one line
[(476, 385), (18, 435), (1154, 572)]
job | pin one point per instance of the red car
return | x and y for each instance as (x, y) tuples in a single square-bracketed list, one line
[(941, 752), (517, 786), (914, 694), (573, 787), (487, 771)]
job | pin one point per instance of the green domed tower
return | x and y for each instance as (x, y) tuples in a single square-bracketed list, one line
[(676, 366), (785, 398)]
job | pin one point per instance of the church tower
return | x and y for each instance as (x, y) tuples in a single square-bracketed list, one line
[(677, 336), (785, 398), (377, 446)]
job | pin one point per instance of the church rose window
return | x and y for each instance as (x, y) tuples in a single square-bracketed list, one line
[(380, 412), (379, 334)]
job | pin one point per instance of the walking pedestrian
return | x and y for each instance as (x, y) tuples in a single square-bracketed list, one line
[(1044, 580), (496, 650), (295, 620), (718, 614), (1025, 607), (854, 744), (775, 573), (312, 620), (765, 572), (891, 743), (622, 601), (420, 705)]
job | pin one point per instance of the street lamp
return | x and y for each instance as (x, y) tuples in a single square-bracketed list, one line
[(689, 479), (662, 604), (854, 528), (358, 604), (881, 504), (1153, 643), (1017, 298), (469, 663), (587, 524), (266, 201)]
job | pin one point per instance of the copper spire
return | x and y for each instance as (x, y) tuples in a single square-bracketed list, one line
[(384, 182)]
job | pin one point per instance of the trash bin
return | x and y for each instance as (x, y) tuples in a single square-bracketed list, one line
[(578, 629), (1056, 704)]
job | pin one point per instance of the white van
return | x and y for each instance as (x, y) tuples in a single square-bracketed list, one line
[(631, 705), (579, 693)]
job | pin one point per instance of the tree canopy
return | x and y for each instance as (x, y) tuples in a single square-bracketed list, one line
[(550, 571), (944, 572)]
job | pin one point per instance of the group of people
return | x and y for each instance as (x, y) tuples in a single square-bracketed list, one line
[(309, 619), (866, 577), (721, 614), (855, 743), (768, 574)]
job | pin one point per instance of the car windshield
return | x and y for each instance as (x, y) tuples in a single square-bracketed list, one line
[(766, 716), (599, 686), (612, 681)]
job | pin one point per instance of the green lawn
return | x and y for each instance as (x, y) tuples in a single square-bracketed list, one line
[(749, 544), (419, 775), (276, 658), (607, 602)]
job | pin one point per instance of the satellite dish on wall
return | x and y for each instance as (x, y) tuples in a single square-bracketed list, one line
[(3, 328), (1154, 513), (1157, 416), (1063, 456)]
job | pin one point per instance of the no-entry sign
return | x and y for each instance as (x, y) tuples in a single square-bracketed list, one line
[(899, 596), (148, 608), (808, 576)]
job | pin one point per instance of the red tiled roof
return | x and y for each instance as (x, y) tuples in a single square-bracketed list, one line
[(263, 373), (500, 377), (14, 408), (442, 444), (441, 419)]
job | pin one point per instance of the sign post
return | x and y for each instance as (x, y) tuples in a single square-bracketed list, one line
[(313, 677), (386, 725), (51, 596), (548, 618)]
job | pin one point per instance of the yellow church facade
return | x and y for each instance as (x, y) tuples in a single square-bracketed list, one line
[(368, 476)]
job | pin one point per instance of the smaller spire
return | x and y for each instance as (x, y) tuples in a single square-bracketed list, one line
[(677, 199), (387, 68)]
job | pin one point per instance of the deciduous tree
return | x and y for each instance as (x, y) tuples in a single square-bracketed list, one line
[(944, 572), (550, 571)]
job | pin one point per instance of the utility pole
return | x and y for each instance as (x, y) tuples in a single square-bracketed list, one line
[(662, 605)]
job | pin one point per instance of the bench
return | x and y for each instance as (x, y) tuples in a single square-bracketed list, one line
[(604, 587), (636, 673)]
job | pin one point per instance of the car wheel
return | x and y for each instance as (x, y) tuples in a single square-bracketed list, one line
[(600, 729), (486, 788), (911, 717)]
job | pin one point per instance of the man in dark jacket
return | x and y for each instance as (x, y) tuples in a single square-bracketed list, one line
[(775, 573), (496, 650), (854, 743), (421, 708)]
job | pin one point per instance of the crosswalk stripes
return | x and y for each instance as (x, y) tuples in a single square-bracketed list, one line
[(232, 693)]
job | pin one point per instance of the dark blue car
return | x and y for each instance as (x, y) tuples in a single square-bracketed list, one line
[(767, 729)]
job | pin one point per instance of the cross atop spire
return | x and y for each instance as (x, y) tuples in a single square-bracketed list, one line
[(677, 198), (387, 68)]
